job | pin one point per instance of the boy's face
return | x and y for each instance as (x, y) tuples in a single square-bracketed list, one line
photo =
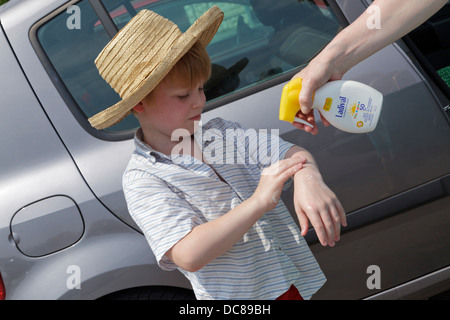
[(171, 106)]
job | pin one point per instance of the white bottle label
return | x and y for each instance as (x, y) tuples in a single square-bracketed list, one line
[(354, 109)]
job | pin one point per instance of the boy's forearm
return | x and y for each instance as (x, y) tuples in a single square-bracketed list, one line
[(210, 240), (315, 202), (310, 164)]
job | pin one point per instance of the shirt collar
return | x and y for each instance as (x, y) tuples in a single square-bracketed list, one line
[(146, 150)]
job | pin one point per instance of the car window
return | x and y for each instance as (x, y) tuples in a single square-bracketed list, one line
[(72, 53), (258, 40)]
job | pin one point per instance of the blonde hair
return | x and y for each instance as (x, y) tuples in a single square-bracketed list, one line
[(193, 68)]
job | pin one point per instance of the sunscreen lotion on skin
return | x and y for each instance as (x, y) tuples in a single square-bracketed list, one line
[(348, 105)]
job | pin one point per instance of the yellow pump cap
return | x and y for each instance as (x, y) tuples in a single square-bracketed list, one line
[(289, 104)]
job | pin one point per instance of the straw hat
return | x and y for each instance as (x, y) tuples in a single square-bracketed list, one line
[(142, 53)]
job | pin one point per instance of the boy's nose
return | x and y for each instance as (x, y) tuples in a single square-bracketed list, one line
[(199, 101)]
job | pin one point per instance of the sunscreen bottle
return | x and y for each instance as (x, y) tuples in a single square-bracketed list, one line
[(348, 105)]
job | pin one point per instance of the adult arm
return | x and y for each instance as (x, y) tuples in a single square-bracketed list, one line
[(359, 41)]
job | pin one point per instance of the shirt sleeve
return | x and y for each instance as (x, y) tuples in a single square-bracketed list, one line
[(163, 216)]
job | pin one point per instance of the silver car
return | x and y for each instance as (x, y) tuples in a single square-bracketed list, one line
[(65, 232)]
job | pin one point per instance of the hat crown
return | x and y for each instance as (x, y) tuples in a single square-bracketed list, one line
[(136, 50)]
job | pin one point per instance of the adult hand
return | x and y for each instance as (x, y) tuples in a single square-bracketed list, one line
[(315, 202), (357, 42), (315, 75)]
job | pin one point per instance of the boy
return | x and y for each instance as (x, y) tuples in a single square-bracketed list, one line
[(214, 216)]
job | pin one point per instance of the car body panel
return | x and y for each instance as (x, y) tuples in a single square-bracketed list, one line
[(95, 158), (393, 183)]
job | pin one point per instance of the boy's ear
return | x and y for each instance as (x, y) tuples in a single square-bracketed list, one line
[(139, 107)]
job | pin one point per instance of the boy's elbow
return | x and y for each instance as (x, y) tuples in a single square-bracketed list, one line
[(186, 261), (191, 267)]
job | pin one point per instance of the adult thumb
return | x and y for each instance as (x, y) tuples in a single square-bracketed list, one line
[(306, 98)]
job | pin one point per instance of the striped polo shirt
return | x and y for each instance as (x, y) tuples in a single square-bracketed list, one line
[(168, 196)]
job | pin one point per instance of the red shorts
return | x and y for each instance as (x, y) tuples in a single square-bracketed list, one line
[(291, 294)]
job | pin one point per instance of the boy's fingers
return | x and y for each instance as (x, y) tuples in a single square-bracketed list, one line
[(303, 221), (306, 216), (342, 214), (336, 223), (320, 231), (329, 227), (289, 172), (283, 165)]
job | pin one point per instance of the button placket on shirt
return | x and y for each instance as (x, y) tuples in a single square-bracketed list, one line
[(209, 161)]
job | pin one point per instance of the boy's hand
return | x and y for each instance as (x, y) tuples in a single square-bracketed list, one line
[(272, 180), (315, 202)]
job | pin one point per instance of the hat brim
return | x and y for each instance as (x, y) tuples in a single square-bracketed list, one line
[(203, 31)]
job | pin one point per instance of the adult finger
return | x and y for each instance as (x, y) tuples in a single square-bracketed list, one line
[(324, 121), (314, 131)]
